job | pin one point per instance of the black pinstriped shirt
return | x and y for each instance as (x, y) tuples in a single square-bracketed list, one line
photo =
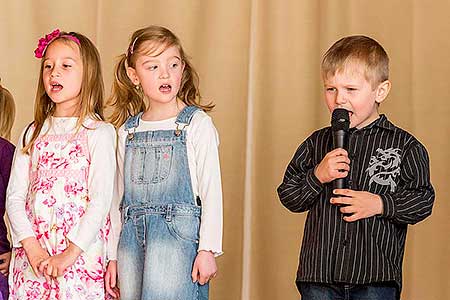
[(385, 160)]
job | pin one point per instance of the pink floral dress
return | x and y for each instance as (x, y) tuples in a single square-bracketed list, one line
[(56, 201)]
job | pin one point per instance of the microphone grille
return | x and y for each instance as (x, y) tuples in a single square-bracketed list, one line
[(340, 119)]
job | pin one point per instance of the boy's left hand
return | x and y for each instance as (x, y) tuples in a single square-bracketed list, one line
[(205, 267), (359, 204), (56, 265)]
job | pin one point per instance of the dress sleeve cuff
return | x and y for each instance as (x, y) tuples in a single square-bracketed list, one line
[(111, 251), (208, 246), (17, 238), (216, 253)]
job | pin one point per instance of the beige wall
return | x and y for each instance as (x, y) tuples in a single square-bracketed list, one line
[(259, 62)]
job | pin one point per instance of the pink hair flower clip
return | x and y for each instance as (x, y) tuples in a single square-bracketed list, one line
[(45, 41)]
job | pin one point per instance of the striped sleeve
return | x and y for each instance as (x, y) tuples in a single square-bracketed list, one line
[(413, 200), (300, 187)]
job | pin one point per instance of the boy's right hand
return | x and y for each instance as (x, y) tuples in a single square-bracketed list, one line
[(335, 164), (35, 253), (111, 279)]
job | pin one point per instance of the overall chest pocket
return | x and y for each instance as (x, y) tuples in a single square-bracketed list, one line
[(151, 165)]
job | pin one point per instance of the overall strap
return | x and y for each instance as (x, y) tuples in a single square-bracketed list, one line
[(186, 114), (133, 121)]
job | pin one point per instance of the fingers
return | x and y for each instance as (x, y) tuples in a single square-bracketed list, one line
[(335, 164), (52, 271), (42, 264), (113, 281), (342, 200), (352, 218), (338, 152), (110, 284), (48, 278), (37, 267), (48, 270), (4, 268), (111, 291), (204, 279), (346, 210), (116, 291), (56, 272), (195, 274), (344, 192)]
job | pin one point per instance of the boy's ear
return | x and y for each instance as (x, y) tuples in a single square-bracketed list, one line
[(131, 72), (382, 91)]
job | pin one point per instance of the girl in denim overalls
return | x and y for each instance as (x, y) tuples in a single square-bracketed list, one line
[(169, 228)]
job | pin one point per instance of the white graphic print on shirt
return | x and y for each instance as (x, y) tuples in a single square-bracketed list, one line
[(384, 167)]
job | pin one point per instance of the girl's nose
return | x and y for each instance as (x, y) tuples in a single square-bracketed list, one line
[(163, 73), (54, 73)]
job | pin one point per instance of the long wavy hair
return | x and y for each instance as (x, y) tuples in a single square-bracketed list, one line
[(125, 99), (7, 113), (91, 94)]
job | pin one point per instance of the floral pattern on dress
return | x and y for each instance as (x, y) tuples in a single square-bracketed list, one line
[(56, 201)]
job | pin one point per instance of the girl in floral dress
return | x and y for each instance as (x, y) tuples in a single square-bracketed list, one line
[(62, 178)]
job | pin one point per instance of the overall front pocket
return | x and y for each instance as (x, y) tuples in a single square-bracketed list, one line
[(185, 227), (150, 164)]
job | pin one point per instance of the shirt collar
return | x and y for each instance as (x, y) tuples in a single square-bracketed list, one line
[(381, 122)]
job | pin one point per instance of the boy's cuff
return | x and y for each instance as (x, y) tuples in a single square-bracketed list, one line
[(313, 182), (388, 206)]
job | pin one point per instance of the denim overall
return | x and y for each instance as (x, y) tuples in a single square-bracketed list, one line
[(160, 216)]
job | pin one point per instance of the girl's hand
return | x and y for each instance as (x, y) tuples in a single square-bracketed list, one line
[(335, 164), (35, 253), (111, 279), (205, 267), (5, 258), (55, 266)]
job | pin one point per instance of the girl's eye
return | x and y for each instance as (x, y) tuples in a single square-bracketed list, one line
[(66, 66), (330, 89), (47, 66), (351, 89), (174, 65), (152, 68)]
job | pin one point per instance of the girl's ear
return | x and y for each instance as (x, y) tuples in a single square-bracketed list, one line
[(183, 65), (382, 91), (131, 72)]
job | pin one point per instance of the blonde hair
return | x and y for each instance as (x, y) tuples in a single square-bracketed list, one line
[(7, 113), (91, 93), (126, 99), (358, 49)]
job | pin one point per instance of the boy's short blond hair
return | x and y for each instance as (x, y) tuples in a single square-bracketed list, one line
[(7, 112), (361, 50)]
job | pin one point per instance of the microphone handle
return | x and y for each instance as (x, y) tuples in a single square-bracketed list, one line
[(340, 140), (340, 183)]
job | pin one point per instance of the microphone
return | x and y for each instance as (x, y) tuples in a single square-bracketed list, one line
[(340, 123)]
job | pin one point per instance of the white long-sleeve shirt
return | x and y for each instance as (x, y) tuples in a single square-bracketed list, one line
[(203, 159), (101, 145)]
